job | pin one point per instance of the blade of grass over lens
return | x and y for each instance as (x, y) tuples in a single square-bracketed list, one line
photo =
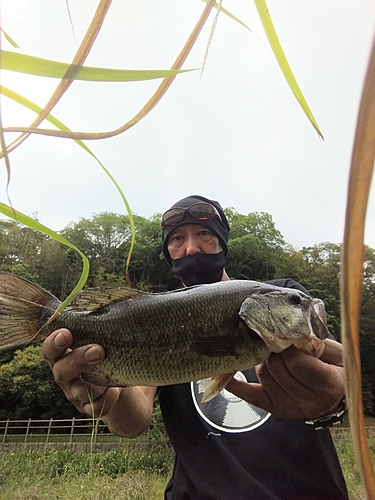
[(163, 87), (79, 58), (352, 261), (34, 107), (147, 108), (10, 40), (279, 54), (37, 66), (229, 14), (33, 224), (4, 149), (283, 62)]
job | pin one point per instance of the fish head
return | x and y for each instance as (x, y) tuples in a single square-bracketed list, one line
[(286, 317)]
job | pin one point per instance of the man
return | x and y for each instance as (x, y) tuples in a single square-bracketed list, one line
[(251, 441)]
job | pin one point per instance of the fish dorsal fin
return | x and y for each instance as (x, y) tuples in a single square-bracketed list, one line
[(92, 299)]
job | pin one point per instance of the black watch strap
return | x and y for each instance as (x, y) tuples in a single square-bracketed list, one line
[(334, 418)]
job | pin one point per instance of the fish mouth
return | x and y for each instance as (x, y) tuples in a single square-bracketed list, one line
[(255, 338)]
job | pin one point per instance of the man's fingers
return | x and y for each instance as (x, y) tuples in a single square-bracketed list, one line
[(333, 353), (70, 367), (294, 384), (296, 369), (250, 392), (83, 393), (101, 405), (55, 345), (68, 364)]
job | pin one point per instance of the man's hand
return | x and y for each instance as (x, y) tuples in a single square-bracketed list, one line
[(293, 384), (67, 366)]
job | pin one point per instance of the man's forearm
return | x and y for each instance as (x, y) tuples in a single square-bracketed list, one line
[(132, 413)]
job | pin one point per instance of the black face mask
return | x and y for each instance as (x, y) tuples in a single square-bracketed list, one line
[(199, 268)]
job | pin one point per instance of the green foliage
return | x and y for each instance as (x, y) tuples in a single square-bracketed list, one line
[(257, 250), (367, 336), (258, 224), (105, 240), (27, 388), (255, 247), (157, 432), (124, 473), (52, 463), (321, 278), (127, 473)]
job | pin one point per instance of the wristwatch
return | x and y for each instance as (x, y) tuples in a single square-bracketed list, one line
[(329, 420)]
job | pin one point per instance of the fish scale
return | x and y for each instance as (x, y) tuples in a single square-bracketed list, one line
[(159, 338)]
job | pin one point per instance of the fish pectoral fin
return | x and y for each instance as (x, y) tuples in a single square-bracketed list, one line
[(210, 387), (217, 346), (97, 378), (93, 299)]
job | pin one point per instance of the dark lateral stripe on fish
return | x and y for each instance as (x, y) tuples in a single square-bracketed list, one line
[(162, 338)]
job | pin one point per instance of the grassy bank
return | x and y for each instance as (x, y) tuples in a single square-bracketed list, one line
[(130, 486), (39, 474), (350, 468)]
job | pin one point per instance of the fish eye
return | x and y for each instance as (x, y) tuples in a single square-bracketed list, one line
[(296, 298)]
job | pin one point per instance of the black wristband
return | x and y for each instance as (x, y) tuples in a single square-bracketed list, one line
[(334, 418)]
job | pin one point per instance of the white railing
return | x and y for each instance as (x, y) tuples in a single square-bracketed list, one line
[(93, 431), (55, 430)]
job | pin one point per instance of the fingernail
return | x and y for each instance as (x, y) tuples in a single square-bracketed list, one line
[(92, 354), (60, 340)]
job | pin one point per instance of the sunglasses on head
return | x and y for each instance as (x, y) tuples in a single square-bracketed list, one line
[(200, 211)]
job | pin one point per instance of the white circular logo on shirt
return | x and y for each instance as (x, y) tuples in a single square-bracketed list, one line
[(228, 412)]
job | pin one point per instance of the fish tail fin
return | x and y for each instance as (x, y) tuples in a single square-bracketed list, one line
[(212, 386), (21, 305)]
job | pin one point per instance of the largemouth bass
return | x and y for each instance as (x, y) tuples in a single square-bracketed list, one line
[(168, 338)]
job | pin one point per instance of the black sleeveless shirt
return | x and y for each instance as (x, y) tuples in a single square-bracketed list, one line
[(227, 449)]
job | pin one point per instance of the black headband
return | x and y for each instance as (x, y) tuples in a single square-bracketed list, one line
[(220, 228)]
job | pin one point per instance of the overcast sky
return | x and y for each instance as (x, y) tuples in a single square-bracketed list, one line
[(236, 135)]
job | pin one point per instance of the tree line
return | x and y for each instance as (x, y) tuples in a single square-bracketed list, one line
[(257, 251)]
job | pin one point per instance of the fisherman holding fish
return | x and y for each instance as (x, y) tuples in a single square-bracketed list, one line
[(265, 435)]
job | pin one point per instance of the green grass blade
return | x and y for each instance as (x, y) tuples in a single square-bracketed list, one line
[(33, 224), (5, 153), (37, 66), (7, 37), (282, 61), (34, 107), (352, 266), (229, 14), (279, 54)]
